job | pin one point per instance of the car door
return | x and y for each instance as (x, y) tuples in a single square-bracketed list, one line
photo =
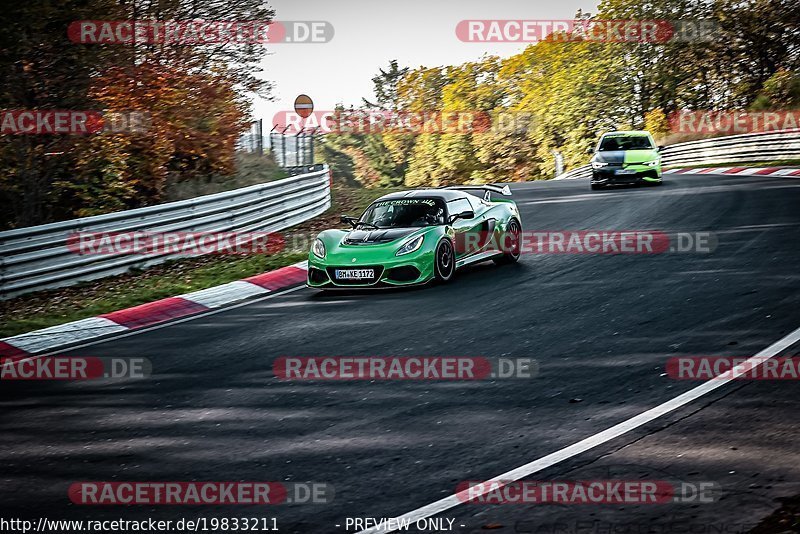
[(466, 230)]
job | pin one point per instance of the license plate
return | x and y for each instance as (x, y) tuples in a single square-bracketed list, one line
[(355, 274), (625, 171)]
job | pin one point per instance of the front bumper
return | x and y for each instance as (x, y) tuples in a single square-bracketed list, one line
[(632, 174), (408, 270)]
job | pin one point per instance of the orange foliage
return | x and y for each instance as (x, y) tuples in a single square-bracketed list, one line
[(194, 121)]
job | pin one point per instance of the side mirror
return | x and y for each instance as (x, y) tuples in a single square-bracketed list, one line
[(463, 215), (349, 220), (660, 148), (590, 150)]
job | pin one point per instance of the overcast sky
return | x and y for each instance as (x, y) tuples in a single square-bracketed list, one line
[(370, 33)]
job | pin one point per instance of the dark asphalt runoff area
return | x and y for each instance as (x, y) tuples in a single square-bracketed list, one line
[(601, 328)]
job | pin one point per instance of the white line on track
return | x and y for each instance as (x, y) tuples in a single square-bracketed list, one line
[(598, 439)]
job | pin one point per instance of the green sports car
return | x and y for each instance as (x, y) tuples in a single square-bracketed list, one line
[(626, 158), (419, 236)]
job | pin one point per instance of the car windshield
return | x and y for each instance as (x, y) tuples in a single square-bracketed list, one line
[(404, 213), (628, 142)]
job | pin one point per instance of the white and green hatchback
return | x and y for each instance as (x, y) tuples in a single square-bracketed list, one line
[(626, 158)]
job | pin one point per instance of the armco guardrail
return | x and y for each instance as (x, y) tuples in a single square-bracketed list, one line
[(38, 257), (734, 149)]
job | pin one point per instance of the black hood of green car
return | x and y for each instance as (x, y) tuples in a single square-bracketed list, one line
[(369, 236), (611, 156)]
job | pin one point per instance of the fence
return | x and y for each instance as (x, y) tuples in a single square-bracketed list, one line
[(294, 149), (37, 257), (730, 149)]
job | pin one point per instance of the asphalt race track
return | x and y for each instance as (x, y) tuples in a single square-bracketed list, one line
[(600, 326)]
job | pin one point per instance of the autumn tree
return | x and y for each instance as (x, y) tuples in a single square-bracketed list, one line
[(192, 92)]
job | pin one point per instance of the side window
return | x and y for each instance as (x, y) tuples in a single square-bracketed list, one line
[(458, 206)]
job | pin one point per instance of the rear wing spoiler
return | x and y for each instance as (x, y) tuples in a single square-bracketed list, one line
[(484, 191)]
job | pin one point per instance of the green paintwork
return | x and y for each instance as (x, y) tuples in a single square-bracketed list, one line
[(342, 255), (636, 159)]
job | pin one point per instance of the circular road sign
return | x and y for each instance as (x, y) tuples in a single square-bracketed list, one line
[(304, 106)]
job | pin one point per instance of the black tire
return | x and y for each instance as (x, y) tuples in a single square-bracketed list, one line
[(596, 187), (512, 256), (444, 261)]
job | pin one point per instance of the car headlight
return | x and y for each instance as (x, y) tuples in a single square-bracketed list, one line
[(411, 246), (653, 163), (598, 164), (318, 248)]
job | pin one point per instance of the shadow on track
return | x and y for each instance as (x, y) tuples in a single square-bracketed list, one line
[(469, 272)]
